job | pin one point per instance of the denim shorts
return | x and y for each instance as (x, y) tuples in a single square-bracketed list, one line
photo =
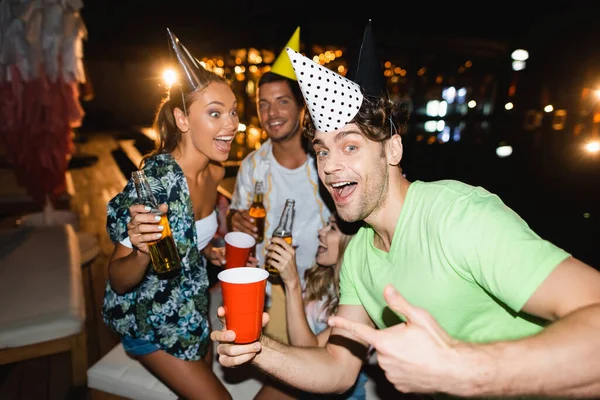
[(138, 347)]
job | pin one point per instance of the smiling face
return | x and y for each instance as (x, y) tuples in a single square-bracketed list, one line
[(353, 169), (278, 110), (329, 243), (212, 121)]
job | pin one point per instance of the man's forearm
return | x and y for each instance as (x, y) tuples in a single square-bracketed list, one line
[(561, 361), (313, 369)]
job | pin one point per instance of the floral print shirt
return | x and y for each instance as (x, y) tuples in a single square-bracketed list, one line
[(171, 313)]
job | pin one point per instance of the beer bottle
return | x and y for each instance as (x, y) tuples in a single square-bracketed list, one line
[(283, 230), (258, 211), (163, 252)]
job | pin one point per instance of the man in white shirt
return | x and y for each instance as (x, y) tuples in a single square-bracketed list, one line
[(288, 170)]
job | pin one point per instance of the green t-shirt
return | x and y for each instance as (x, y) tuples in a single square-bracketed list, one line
[(461, 254)]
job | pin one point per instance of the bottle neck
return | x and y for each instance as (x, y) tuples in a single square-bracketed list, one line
[(286, 221), (144, 191), (258, 198)]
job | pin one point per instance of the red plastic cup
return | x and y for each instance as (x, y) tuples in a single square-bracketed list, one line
[(237, 249), (243, 291)]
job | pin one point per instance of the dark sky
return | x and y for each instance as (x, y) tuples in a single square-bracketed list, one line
[(216, 26)]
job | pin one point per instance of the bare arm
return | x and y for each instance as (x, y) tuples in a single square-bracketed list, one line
[(323, 337), (299, 331), (562, 360), (230, 213), (333, 368), (126, 268)]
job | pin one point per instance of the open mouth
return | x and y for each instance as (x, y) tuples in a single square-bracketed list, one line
[(223, 143), (342, 191)]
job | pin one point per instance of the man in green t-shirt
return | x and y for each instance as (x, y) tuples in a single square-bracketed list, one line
[(452, 288)]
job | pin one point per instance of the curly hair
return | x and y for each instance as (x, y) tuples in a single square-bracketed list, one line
[(376, 118)]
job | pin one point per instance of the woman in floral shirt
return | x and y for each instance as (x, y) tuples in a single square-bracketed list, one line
[(165, 323)]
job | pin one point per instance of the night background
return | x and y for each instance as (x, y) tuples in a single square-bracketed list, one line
[(80, 81), (549, 179), (450, 63)]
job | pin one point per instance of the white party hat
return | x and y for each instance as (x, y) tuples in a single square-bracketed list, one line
[(332, 100)]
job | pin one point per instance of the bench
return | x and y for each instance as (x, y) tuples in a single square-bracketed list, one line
[(42, 293)]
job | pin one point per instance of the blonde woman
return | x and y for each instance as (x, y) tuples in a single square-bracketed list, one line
[(309, 308)]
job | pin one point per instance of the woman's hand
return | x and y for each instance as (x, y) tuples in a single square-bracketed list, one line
[(144, 226), (215, 255), (282, 256), (252, 262)]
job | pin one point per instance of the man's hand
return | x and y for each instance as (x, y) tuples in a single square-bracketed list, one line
[(417, 356), (230, 354), (243, 222)]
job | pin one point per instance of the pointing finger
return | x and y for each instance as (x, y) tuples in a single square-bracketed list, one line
[(361, 331)]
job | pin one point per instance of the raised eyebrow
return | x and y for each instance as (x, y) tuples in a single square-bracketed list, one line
[(220, 103), (215, 103)]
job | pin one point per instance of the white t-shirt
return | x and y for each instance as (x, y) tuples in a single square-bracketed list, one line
[(300, 184)]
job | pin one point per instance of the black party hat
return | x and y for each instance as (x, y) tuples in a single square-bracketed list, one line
[(191, 71), (367, 70)]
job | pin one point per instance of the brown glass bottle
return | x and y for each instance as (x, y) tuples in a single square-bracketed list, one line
[(283, 230), (258, 211), (163, 252)]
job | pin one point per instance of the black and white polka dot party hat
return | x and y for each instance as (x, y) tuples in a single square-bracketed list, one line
[(332, 99)]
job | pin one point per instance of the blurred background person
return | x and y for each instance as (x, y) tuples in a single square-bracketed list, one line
[(288, 170)]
